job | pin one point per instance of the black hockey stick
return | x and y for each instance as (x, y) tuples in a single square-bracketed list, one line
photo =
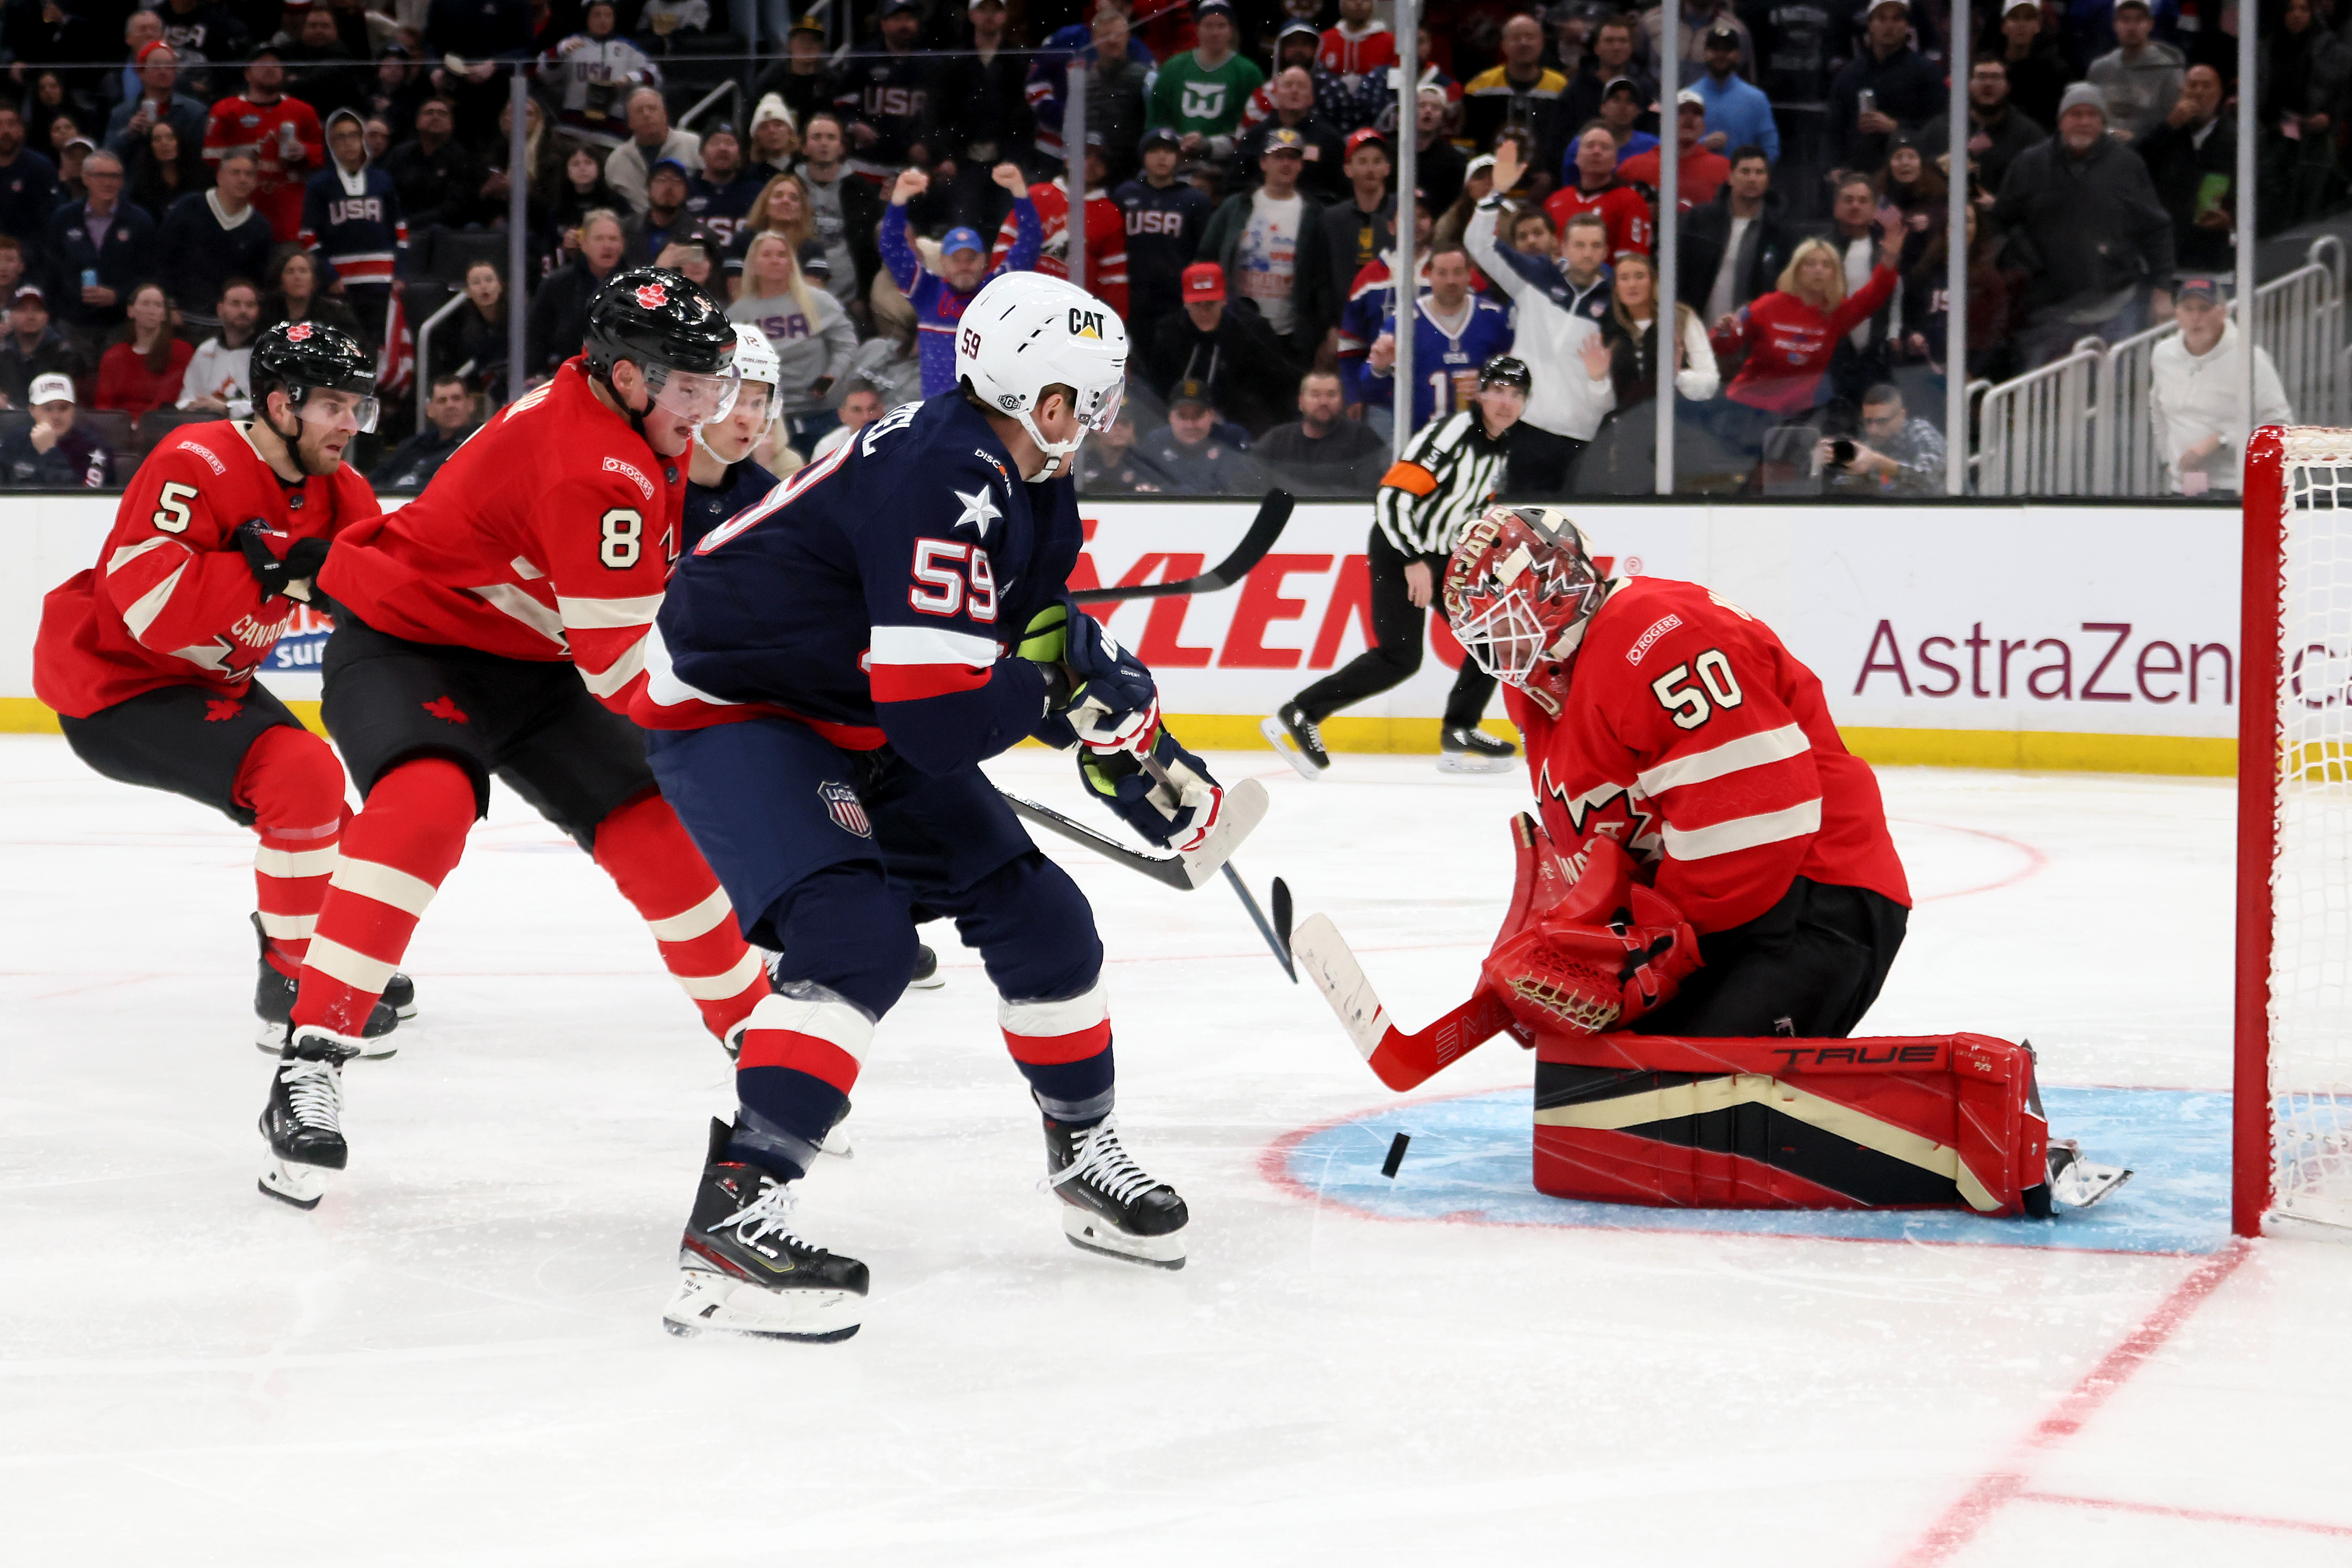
[(1279, 944), (1273, 516)]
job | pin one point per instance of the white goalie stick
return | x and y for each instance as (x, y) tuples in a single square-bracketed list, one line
[(1273, 516), (1402, 1060), (1183, 870)]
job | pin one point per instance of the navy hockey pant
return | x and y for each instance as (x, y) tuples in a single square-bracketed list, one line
[(833, 857)]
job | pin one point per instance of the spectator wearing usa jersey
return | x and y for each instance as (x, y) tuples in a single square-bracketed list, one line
[(939, 297), (1454, 333), (1106, 231), (1599, 189), (351, 222), (813, 337), (596, 70), (884, 95), (1165, 219), (145, 370)]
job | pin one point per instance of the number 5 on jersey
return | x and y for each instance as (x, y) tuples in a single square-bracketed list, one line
[(939, 585), (1689, 704)]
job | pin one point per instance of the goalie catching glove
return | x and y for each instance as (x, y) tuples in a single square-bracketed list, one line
[(1584, 954)]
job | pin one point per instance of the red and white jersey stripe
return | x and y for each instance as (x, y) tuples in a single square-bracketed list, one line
[(1695, 738)]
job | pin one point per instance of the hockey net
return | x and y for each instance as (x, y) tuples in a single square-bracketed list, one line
[(2293, 1023)]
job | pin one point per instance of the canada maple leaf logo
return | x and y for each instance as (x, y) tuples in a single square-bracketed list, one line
[(298, 331), (445, 708), (652, 296), (220, 710)]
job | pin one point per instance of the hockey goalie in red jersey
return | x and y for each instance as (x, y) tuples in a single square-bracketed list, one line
[(1706, 906), (149, 657), (496, 625)]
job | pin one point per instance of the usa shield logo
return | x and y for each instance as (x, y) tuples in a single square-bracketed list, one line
[(652, 296), (848, 813)]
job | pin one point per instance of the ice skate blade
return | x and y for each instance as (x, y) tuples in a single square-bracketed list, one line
[(1090, 1232), (706, 1302), (930, 982), (2083, 1184), (269, 1039), (1277, 737), (301, 1186), (1468, 762)]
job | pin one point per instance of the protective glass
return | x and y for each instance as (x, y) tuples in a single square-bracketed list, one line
[(333, 409), (691, 395)]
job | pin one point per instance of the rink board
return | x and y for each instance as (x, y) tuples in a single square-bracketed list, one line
[(1470, 1161), (2063, 637)]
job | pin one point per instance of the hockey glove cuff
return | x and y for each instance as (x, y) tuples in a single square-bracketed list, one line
[(290, 575), (1166, 794)]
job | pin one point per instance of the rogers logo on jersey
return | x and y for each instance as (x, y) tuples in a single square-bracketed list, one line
[(1649, 639), (653, 297), (201, 450), (614, 466)]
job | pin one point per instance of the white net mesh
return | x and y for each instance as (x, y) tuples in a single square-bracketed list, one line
[(2311, 954)]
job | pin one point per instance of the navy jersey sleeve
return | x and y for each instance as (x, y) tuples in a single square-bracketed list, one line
[(944, 692)]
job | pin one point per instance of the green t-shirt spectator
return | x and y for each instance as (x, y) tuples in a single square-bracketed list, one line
[(1191, 98)]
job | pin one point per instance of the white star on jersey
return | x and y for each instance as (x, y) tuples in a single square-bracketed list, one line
[(979, 509)]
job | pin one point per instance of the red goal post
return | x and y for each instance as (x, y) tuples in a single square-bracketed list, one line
[(2293, 1022)]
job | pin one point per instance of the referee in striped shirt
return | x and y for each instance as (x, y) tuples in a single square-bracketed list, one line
[(1447, 478)]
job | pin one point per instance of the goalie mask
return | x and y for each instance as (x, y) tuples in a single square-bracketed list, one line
[(1518, 591)]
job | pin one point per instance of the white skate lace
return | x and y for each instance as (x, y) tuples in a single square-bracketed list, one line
[(1311, 730), (764, 1215), (1100, 1159), (314, 1091)]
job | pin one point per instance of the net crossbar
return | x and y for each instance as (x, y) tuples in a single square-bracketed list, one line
[(2294, 1046)]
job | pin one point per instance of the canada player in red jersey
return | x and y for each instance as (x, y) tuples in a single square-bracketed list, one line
[(496, 625), (149, 657), (1707, 908)]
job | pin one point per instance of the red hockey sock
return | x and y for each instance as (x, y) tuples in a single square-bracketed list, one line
[(645, 849), (292, 784), (396, 853)]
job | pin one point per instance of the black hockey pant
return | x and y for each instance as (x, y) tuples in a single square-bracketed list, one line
[(1396, 655)]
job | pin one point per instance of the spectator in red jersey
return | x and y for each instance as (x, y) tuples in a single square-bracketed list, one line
[(1788, 336), (1597, 189), (1699, 172), (281, 132), (1106, 231), (143, 373)]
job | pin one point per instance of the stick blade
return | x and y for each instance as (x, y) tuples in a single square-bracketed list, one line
[(1244, 809), (1273, 516), (1323, 957), (1281, 896)]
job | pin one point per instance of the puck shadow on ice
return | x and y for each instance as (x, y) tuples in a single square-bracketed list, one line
[(1473, 1164)]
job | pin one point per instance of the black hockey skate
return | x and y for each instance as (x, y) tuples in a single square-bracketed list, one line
[(927, 976), (742, 1271), (1111, 1204), (273, 1004), (304, 1119), (1474, 751), (1304, 750)]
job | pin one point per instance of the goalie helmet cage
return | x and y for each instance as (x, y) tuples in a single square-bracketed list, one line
[(2293, 1075)]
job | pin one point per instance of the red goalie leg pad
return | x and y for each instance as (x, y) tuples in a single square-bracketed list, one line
[(645, 851), (394, 856), (292, 784), (1926, 1122)]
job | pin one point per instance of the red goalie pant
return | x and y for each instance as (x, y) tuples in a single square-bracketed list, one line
[(1917, 1122)]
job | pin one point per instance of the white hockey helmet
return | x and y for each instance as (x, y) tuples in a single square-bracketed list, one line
[(755, 357), (1024, 332)]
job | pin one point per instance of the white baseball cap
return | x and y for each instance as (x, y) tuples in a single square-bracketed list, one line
[(51, 388)]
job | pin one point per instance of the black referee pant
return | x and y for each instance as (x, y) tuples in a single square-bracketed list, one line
[(1396, 652)]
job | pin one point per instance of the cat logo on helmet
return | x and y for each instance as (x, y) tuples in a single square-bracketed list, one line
[(652, 296), (297, 332), (1086, 324)]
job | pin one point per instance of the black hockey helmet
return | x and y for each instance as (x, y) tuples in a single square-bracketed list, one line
[(303, 356), (1505, 371), (659, 320)]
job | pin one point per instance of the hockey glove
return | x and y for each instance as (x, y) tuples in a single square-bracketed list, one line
[(1608, 952), (1164, 793), (289, 575), (1103, 691)]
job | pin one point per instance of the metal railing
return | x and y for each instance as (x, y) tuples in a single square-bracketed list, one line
[(727, 89), (2084, 425), (425, 354)]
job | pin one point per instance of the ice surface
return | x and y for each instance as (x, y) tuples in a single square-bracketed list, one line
[(457, 1359)]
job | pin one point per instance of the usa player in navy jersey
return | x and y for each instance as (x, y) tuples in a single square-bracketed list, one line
[(826, 674)]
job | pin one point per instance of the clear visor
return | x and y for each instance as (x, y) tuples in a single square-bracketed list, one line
[(331, 410), (1098, 409), (1505, 636), (691, 395)]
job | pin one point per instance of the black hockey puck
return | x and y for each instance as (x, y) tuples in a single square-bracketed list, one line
[(1396, 1155)]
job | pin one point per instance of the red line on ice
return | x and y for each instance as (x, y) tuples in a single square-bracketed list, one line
[(1995, 1488), (2035, 861), (2199, 1515)]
